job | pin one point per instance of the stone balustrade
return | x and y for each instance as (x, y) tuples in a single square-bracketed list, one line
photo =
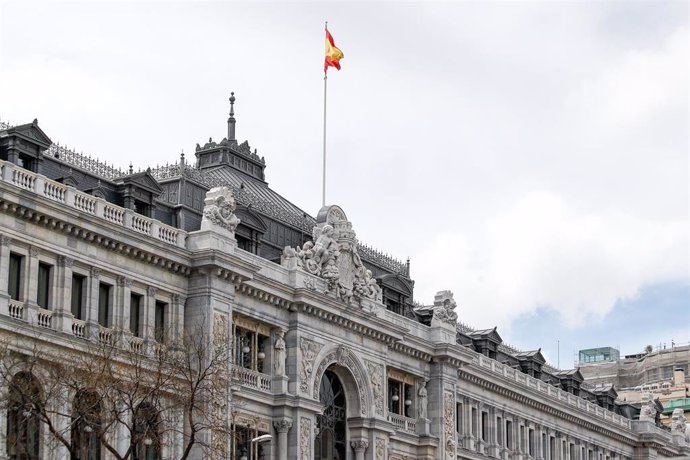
[(403, 423), (88, 204), (16, 308), (252, 379), (551, 391)]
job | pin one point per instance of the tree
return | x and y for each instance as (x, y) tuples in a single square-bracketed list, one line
[(97, 395)]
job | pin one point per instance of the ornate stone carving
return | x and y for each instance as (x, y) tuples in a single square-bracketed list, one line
[(444, 308), (279, 354), (648, 410), (678, 422), (151, 291), (305, 439), (64, 261), (359, 445), (95, 272), (332, 254), (282, 425), (124, 281), (219, 207), (344, 357), (376, 376), (380, 449), (449, 424), (175, 298), (422, 400), (5, 240), (34, 251), (309, 350)]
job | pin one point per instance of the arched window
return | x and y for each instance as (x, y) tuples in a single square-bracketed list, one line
[(146, 436), (331, 438), (23, 425), (86, 426)]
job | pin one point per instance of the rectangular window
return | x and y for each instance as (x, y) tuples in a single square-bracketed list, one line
[(499, 431), (552, 448), (14, 285), (134, 311), (458, 418), (78, 296), (572, 451), (509, 434), (485, 426), (43, 292), (474, 422), (104, 304), (160, 321), (530, 445), (394, 405)]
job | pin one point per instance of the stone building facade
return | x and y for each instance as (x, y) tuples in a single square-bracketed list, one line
[(331, 355)]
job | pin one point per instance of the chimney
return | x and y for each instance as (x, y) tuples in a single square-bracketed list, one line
[(678, 377)]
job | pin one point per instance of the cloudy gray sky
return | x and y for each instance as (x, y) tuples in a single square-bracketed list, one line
[(530, 156)]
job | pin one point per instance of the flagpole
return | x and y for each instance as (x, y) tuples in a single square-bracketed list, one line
[(325, 81)]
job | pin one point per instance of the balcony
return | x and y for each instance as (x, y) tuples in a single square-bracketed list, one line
[(403, 423), (252, 379)]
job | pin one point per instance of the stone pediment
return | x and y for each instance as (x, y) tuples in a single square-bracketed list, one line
[(488, 334), (30, 132), (143, 180), (534, 355)]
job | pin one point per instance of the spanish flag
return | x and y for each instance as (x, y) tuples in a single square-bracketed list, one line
[(333, 54)]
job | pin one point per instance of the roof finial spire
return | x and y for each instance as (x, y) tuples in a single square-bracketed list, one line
[(231, 119)]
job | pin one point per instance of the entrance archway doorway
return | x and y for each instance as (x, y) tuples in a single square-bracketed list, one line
[(330, 441)]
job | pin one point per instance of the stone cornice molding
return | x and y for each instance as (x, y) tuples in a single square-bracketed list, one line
[(94, 237), (550, 407)]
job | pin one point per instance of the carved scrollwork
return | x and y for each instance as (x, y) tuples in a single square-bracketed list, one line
[(219, 208)]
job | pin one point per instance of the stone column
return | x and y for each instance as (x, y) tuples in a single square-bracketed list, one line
[(63, 294), (5, 242), (360, 447), (282, 426), (91, 317)]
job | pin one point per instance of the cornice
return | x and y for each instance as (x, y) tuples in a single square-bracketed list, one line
[(549, 407), (43, 218)]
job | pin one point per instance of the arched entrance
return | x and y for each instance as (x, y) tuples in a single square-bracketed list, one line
[(330, 441)]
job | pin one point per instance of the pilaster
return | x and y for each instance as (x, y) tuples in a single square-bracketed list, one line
[(63, 294), (5, 242), (282, 426), (92, 326)]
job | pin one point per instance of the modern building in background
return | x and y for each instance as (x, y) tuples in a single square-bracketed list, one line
[(661, 372), (332, 356)]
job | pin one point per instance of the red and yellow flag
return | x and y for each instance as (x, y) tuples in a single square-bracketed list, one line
[(333, 54)]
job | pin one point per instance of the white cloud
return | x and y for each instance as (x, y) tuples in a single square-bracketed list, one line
[(635, 86), (543, 252)]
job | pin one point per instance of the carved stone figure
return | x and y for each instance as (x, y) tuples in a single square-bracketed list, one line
[(333, 256), (678, 422), (444, 307), (219, 207), (648, 410), (422, 401), (279, 354)]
